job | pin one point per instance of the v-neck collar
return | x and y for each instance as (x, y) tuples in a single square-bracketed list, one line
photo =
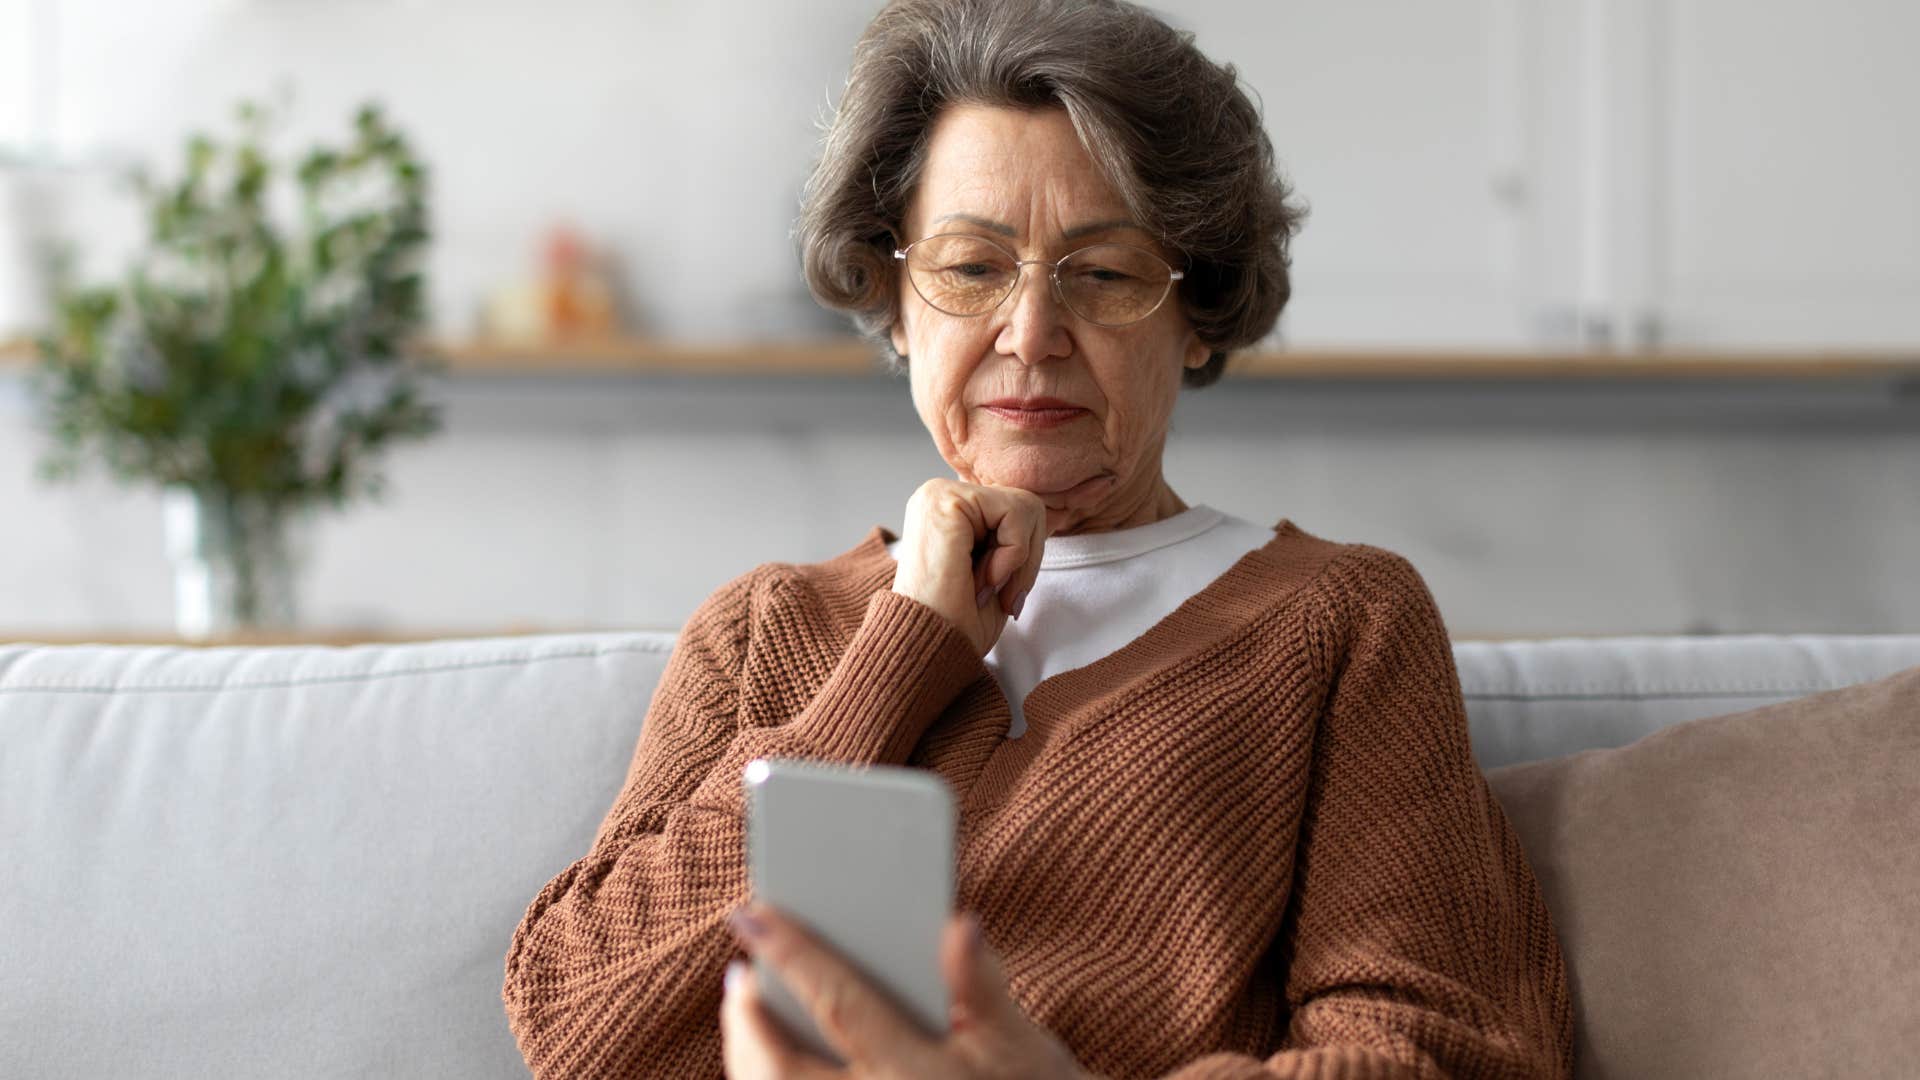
[(1229, 602)]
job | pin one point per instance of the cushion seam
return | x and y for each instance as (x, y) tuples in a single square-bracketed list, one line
[(519, 660), (1677, 692)]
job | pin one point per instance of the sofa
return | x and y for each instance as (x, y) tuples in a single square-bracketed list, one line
[(308, 861)]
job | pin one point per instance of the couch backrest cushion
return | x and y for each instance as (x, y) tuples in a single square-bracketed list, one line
[(1530, 700), (250, 861), (1736, 896), (292, 861)]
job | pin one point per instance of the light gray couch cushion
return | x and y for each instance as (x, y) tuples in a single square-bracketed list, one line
[(309, 862), (292, 861), (1528, 700)]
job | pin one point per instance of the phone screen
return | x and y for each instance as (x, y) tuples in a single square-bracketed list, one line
[(863, 857)]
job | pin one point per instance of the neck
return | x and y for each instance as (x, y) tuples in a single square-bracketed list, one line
[(1155, 502)]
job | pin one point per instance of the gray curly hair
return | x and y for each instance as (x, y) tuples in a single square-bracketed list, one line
[(1171, 131)]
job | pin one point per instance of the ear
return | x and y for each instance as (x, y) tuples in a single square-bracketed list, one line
[(898, 335), (1198, 352)]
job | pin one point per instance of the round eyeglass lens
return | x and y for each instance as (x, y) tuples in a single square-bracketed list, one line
[(961, 275), (1114, 284)]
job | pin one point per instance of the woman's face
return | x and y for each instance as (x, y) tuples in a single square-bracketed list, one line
[(1021, 178)]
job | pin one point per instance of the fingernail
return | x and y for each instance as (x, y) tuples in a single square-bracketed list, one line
[(980, 599), (746, 925), (1018, 603), (974, 937), (735, 970)]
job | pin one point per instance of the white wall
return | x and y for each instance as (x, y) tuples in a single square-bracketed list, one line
[(1650, 508), (1484, 172), (1481, 172), (676, 133)]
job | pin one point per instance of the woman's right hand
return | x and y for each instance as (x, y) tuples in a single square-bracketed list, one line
[(971, 552)]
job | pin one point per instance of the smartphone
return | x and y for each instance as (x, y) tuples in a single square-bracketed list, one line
[(863, 857)]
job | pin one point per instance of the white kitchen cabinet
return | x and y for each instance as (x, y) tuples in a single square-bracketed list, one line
[(1394, 123), (1790, 172), (1603, 173)]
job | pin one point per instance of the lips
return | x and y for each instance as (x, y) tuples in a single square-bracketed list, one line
[(1031, 403), (1040, 412)]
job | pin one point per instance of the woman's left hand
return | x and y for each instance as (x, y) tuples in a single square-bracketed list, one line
[(989, 1036)]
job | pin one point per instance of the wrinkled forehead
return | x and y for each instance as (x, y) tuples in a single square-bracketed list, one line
[(1006, 173)]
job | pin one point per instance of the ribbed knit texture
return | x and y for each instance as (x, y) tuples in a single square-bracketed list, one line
[(1251, 843)]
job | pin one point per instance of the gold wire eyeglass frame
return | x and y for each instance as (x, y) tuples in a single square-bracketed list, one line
[(1053, 276)]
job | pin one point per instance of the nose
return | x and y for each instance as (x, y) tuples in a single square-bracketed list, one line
[(1035, 327)]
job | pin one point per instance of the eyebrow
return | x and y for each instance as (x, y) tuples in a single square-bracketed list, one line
[(1007, 230)]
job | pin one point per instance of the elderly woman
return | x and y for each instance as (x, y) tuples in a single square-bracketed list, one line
[(1218, 812)]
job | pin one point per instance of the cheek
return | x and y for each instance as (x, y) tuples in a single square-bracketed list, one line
[(1168, 376), (916, 384), (946, 363), (921, 370), (939, 383), (1140, 402)]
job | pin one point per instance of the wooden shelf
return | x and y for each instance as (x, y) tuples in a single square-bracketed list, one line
[(855, 357), (828, 357), (852, 357), (1569, 365), (342, 638)]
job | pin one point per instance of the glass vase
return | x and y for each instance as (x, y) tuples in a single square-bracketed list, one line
[(237, 561)]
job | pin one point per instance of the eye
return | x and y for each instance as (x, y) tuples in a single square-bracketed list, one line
[(1101, 274)]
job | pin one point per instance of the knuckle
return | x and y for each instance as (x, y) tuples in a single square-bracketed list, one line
[(924, 494), (831, 1012)]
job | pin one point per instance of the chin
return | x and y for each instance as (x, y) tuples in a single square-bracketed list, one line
[(1040, 473)]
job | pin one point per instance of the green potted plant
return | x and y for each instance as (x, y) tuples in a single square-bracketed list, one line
[(255, 372)]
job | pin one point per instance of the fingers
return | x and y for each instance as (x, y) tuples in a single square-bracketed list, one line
[(1013, 595), (1012, 550), (965, 544), (855, 1017), (751, 1044), (1019, 522), (974, 976), (950, 510)]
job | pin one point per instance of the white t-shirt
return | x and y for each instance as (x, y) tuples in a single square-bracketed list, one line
[(1099, 591)]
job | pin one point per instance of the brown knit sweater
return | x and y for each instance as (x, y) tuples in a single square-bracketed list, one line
[(1251, 843)]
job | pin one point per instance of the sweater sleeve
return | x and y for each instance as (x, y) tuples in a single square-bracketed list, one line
[(1417, 940), (615, 968)]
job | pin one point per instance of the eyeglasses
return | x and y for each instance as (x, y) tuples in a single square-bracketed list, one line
[(1105, 284)]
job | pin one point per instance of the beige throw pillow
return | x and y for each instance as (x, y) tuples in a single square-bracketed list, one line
[(1739, 896)]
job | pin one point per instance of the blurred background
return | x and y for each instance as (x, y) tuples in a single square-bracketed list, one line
[(1607, 313)]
